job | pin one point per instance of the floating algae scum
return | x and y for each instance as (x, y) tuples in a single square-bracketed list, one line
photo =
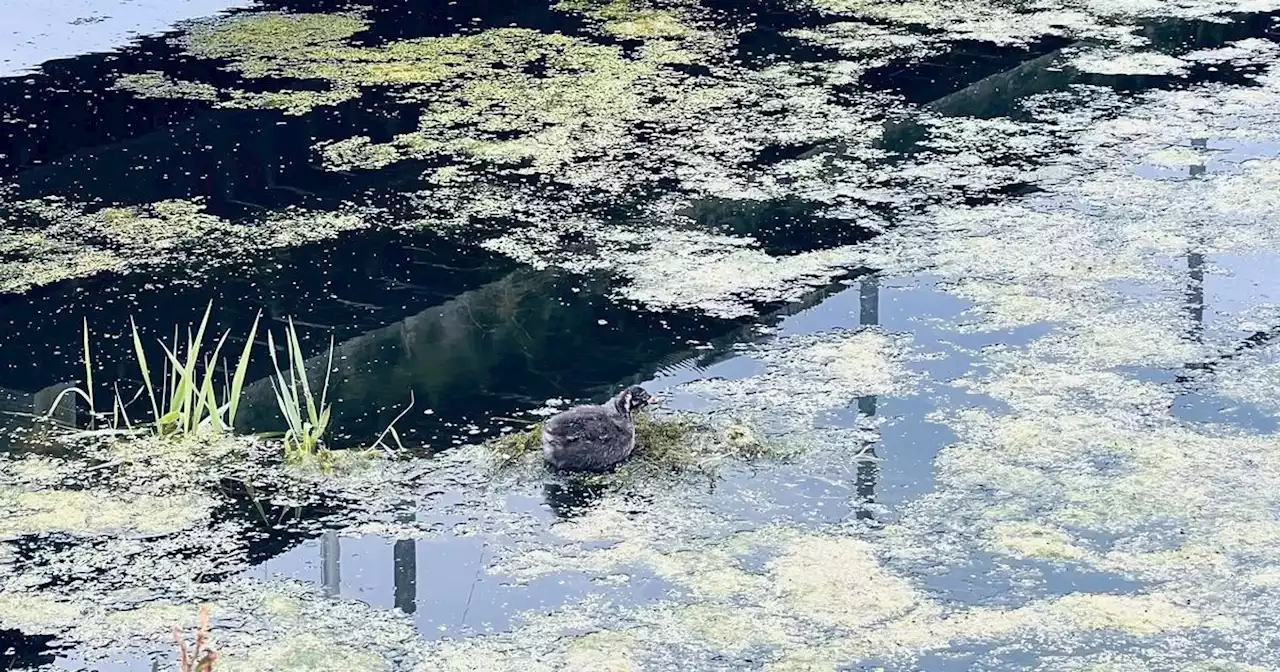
[(961, 312)]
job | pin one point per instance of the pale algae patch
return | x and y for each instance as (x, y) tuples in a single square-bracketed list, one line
[(52, 239), (585, 107), (256, 626), (149, 507), (1110, 62), (1177, 157), (149, 494), (35, 613), (629, 19), (1016, 24), (603, 651), (980, 20), (867, 45), (358, 152), (468, 68), (33, 259), (1034, 540), (289, 101), (822, 600), (155, 84), (250, 42), (670, 268), (98, 512), (840, 581), (1241, 52), (306, 651), (1252, 378), (806, 377)]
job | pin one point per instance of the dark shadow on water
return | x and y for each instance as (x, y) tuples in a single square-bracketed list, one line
[(350, 285), (20, 651), (925, 80), (569, 497), (470, 335)]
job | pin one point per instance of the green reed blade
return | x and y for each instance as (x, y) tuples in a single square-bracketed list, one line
[(146, 371), (242, 368), (88, 371)]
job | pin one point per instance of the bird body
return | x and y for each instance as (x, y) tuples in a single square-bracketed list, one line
[(593, 437)]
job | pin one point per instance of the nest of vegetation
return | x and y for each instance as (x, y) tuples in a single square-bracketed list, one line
[(677, 442)]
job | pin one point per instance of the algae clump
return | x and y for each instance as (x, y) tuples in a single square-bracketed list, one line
[(155, 84), (623, 19)]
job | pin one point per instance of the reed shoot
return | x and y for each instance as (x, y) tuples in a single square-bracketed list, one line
[(188, 400), (307, 419)]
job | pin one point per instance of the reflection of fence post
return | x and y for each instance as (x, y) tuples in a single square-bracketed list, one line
[(330, 553), (1195, 265), (869, 301), (1195, 293), (868, 315), (405, 572), (868, 471)]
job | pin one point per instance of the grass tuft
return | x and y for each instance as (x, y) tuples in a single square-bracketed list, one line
[(188, 400), (307, 420), (185, 400)]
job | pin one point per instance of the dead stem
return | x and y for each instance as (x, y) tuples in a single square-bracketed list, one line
[(202, 657)]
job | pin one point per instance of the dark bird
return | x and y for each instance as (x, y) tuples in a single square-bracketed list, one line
[(594, 437)]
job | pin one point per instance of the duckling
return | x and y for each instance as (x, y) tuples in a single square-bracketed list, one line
[(594, 437)]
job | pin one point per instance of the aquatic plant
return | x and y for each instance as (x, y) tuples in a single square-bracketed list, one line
[(307, 420), (188, 401), (510, 448), (86, 392), (192, 403)]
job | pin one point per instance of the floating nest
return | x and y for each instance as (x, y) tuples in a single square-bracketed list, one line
[(679, 442)]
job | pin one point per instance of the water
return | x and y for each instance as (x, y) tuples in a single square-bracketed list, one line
[(1013, 314)]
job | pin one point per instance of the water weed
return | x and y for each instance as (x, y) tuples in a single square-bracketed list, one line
[(188, 400), (307, 420)]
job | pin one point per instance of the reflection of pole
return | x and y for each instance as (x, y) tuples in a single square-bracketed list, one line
[(868, 469), (329, 559), (1195, 267), (868, 314), (869, 301), (405, 572), (1195, 293)]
